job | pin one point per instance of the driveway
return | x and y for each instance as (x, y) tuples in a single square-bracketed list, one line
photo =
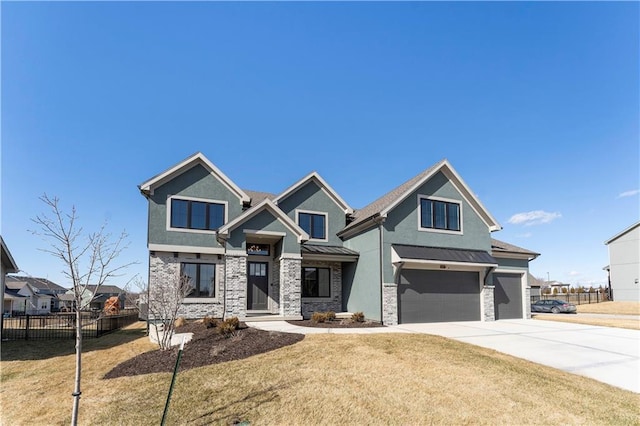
[(609, 355)]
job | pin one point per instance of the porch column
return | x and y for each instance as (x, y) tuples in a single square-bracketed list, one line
[(235, 285), (290, 285), (390, 304)]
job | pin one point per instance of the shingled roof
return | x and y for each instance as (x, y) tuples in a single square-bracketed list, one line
[(258, 197), (498, 246), (39, 283)]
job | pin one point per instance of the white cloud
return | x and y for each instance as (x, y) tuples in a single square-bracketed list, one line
[(535, 217), (629, 193)]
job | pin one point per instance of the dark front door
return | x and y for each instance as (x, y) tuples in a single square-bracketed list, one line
[(258, 286)]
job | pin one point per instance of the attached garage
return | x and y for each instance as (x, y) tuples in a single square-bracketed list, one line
[(507, 296), (438, 296)]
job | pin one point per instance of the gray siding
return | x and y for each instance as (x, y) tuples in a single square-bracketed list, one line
[(312, 197), (364, 292), (401, 226), (198, 183), (264, 221)]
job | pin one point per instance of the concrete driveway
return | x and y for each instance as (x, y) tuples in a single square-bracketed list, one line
[(609, 355)]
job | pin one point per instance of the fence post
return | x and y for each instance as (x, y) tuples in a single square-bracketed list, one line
[(26, 327)]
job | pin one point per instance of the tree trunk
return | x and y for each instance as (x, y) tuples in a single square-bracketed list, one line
[(76, 391)]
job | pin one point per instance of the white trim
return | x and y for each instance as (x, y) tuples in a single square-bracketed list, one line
[(266, 233), (328, 190), (620, 234), (291, 256), (512, 255), (274, 210), (198, 158), (445, 167), (237, 253), (201, 200), (326, 223), (446, 200), (184, 249)]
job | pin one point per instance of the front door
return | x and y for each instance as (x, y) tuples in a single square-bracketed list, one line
[(258, 286)]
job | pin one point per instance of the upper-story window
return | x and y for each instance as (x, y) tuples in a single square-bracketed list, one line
[(440, 214), (314, 224), (192, 214)]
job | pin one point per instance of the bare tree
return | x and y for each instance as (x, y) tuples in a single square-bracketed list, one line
[(89, 259), (165, 299)]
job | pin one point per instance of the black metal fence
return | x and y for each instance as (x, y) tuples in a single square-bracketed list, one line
[(62, 325), (575, 298)]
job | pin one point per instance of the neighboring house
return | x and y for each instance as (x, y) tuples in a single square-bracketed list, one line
[(421, 253), (537, 286), (23, 298), (99, 295), (7, 266), (42, 286), (624, 264)]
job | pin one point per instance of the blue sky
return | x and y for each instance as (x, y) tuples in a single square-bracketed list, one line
[(536, 105)]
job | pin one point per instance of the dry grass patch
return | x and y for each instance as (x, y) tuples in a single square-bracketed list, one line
[(325, 379), (620, 308), (630, 323)]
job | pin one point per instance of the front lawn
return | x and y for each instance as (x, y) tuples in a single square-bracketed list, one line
[(324, 379)]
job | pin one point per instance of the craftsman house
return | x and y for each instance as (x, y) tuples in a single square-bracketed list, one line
[(421, 253)]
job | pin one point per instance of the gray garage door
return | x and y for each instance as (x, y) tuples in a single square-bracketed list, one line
[(438, 296), (507, 296)]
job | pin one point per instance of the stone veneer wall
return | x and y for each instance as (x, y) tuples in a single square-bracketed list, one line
[(527, 295), (164, 276), (290, 286), (236, 274), (309, 306), (390, 304), (489, 307), (275, 288)]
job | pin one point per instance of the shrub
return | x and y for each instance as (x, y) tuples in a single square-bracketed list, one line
[(330, 315), (357, 317), (228, 326), (180, 321), (319, 317), (210, 322)]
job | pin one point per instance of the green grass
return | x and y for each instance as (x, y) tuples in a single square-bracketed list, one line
[(325, 379)]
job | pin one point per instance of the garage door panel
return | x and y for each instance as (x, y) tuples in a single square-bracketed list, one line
[(507, 296), (438, 296)]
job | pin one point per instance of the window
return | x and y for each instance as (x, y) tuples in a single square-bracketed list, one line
[(190, 214), (313, 224), (316, 282), (201, 278), (436, 214)]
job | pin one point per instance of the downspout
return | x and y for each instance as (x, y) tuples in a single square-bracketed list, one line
[(223, 243), (380, 220)]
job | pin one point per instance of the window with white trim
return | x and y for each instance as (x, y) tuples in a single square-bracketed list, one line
[(316, 282), (201, 278), (314, 224), (191, 214), (440, 215)]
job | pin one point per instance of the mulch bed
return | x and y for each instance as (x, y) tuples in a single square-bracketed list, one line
[(337, 323), (207, 347)]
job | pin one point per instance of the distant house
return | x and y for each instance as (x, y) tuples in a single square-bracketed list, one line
[(99, 295), (7, 266), (22, 298), (41, 287), (624, 264)]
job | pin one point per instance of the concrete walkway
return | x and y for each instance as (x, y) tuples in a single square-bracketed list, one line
[(609, 355)]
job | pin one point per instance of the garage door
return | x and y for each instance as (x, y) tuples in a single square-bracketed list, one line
[(438, 296), (507, 296)]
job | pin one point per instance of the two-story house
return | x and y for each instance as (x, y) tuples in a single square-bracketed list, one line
[(422, 252)]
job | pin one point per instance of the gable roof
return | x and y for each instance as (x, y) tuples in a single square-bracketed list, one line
[(266, 204), (620, 234), (324, 186), (258, 197), (383, 205), (500, 247), (104, 289), (7, 259), (198, 158), (38, 283)]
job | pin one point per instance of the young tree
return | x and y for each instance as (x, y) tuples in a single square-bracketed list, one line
[(164, 302), (89, 259)]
